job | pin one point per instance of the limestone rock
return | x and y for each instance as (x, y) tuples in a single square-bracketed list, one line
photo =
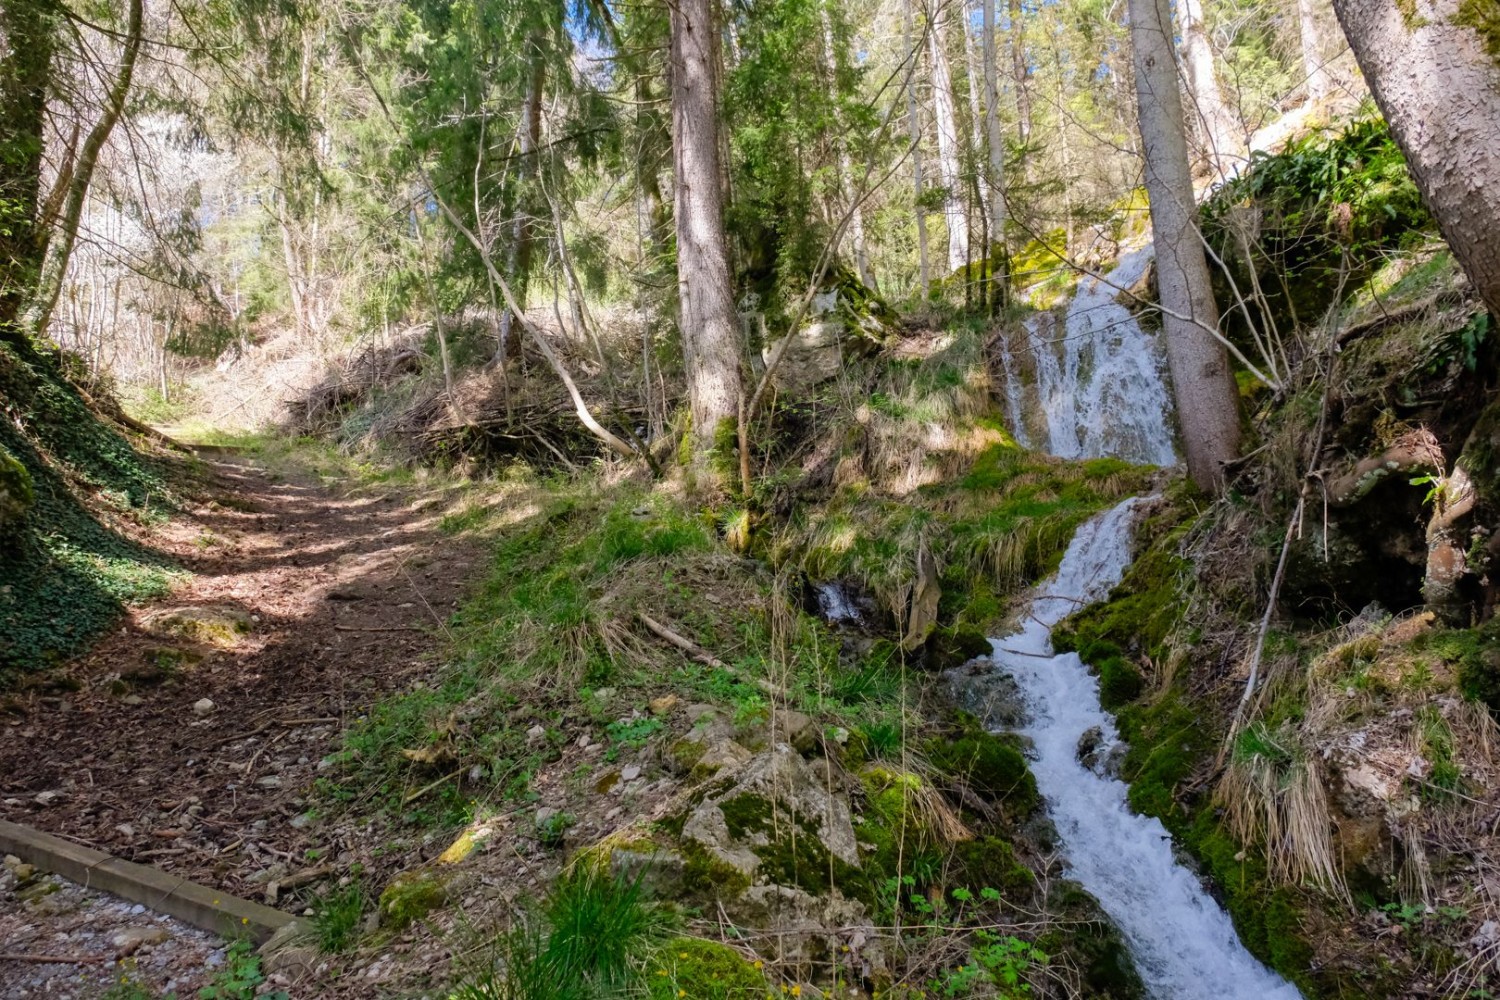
[(774, 820), (129, 940)]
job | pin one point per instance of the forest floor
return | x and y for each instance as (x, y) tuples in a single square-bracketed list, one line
[(303, 606)]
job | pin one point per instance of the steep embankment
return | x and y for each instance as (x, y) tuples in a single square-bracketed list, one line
[(76, 502)]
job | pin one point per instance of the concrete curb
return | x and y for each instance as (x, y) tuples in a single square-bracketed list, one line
[(205, 908)]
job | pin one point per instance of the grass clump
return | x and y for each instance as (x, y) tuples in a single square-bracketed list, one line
[(337, 917), (593, 938)]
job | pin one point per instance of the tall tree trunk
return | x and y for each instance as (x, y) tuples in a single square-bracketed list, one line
[(27, 35), (523, 223), (972, 76), (60, 246), (1018, 69), (945, 116), (1203, 387), (915, 126), (996, 145), (1221, 135), (710, 324), (1314, 51), (846, 171), (1437, 81)]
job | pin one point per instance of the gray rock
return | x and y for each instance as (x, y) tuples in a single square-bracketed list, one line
[(630, 772), (795, 728), (787, 798), (202, 707), (129, 940)]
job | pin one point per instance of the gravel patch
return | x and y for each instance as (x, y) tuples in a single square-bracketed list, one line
[(107, 943)]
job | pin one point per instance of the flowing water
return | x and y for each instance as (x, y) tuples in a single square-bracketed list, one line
[(1099, 390), (1100, 387), (1183, 942)]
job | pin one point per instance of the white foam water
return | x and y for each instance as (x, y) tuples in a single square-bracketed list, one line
[(1183, 942), (1100, 378)]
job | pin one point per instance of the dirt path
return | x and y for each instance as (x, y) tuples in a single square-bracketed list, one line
[(344, 599)]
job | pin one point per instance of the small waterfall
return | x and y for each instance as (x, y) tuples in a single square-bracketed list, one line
[(1100, 386), (1183, 942)]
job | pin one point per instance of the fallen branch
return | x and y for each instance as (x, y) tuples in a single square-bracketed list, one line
[(377, 628), (696, 652)]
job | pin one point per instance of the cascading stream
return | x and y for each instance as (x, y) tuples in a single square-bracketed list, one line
[(1099, 387), (1183, 942)]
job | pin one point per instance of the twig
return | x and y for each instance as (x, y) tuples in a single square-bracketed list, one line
[(377, 628), (10, 956), (414, 796), (700, 654)]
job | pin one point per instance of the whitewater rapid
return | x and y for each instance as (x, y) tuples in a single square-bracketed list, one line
[(1181, 939)]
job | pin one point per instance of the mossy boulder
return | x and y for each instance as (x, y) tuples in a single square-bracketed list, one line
[(411, 896), (773, 821), (16, 493), (703, 970), (211, 626), (989, 763)]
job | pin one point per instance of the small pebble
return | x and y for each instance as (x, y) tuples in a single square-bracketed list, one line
[(202, 707)]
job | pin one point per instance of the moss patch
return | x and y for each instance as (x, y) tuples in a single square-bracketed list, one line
[(703, 970), (410, 896)]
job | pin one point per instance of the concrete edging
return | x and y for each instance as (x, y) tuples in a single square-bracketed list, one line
[(205, 908)]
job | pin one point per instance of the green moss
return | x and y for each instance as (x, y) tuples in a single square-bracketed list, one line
[(991, 764), (410, 896), (1484, 17), (1119, 681), (990, 863), (703, 970), (706, 877), (794, 854), (1094, 944), (16, 493)]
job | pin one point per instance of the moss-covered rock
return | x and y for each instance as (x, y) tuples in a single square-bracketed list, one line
[(411, 896), (16, 493), (989, 763), (704, 970)]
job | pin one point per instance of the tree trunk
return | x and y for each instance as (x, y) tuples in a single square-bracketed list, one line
[(710, 325), (846, 171), (915, 127), (945, 115), (523, 223), (996, 145), (60, 247), (26, 33), (1437, 81), (1203, 387), (1018, 70), (1314, 52), (1222, 139), (976, 115)]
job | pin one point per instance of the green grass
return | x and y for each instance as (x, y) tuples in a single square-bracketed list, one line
[(337, 916), (592, 939)]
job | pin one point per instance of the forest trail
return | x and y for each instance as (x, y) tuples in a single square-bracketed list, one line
[(341, 598)]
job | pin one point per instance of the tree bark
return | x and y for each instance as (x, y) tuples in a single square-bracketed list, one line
[(945, 115), (1019, 71), (972, 76), (915, 127), (60, 247), (1222, 139), (1203, 387), (1314, 51), (28, 28), (846, 171), (1439, 88), (523, 223), (996, 147), (710, 324)]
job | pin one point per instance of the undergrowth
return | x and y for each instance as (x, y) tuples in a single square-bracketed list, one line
[(71, 565)]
